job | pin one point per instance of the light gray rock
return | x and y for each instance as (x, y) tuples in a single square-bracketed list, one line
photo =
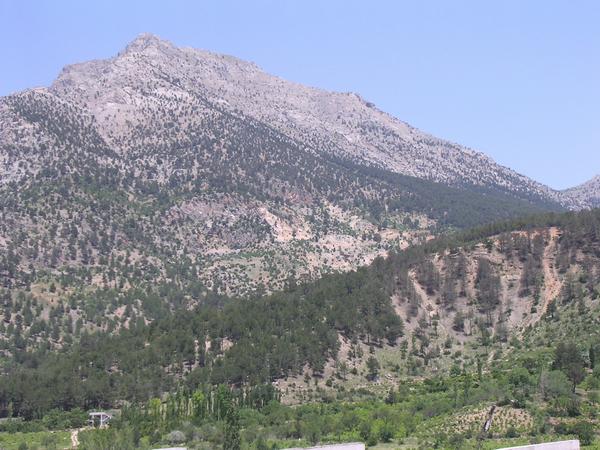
[(118, 91), (586, 195)]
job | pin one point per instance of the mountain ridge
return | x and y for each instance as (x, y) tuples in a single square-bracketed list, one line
[(587, 193), (294, 109), (179, 153)]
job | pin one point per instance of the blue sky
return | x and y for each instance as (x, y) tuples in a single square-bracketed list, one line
[(518, 80)]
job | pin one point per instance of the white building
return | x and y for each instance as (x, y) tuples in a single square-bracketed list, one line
[(559, 445)]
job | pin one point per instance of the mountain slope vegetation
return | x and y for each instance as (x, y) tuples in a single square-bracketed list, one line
[(477, 317), (443, 304)]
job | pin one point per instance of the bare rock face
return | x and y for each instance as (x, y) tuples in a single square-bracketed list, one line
[(586, 195), (341, 124), (164, 154)]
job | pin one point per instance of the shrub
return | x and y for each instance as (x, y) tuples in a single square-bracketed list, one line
[(584, 431), (176, 437)]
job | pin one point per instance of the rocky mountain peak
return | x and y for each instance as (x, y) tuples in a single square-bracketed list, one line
[(145, 41), (586, 195), (595, 180), (124, 91)]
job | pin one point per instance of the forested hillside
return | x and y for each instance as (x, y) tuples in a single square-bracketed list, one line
[(465, 304)]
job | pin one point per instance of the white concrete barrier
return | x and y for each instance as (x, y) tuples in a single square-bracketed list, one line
[(560, 445)]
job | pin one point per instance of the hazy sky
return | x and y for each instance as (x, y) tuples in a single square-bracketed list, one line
[(518, 80)]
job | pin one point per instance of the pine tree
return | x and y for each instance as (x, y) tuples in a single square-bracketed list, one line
[(373, 368), (232, 430)]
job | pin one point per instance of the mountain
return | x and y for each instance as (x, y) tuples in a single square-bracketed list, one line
[(476, 301), (196, 244), (340, 124), (586, 195), (162, 158)]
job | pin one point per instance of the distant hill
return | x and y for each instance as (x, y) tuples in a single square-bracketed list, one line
[(586, 194)]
